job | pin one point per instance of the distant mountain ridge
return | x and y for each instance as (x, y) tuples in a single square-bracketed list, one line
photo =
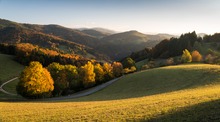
[(119, 45), (95, 33), (97, 43), (49, 36)]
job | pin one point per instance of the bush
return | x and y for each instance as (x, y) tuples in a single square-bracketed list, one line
[(170, 61), (128, 63), (144, 67), (209, 59), (129, 70)]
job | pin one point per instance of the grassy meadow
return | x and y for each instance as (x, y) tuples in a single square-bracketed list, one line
[(9, 68), (175, 93)]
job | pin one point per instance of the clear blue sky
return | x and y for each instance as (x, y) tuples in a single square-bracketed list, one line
[(155, 16)]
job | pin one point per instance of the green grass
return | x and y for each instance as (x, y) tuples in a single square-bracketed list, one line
[(11, 87), (141, 63), (176, 93), (9, 68)]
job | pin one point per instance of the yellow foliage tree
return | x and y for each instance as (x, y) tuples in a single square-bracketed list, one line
[(35, 82), (196, 56), (99, 73), (186, 56), (87, 74), (108, 70)]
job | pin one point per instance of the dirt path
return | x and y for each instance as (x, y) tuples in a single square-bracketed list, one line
[(85, 92), (76, 95), (1, 87)]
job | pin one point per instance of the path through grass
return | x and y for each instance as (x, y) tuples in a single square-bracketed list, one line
[(169, 93)]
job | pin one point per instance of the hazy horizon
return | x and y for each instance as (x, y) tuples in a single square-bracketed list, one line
[(146, 16)]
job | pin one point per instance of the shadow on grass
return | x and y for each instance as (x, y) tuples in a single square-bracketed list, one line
[(146, 83), (203, 112)]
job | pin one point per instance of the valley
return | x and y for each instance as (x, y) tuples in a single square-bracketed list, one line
[(109, 61), (137, 96)]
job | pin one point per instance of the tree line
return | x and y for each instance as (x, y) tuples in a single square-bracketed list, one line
[(57, 79), (168, 48), (26, 52)]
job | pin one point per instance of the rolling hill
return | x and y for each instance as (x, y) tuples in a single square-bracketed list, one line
[(95, 33), (176, 93), (50, 36), (8, 70), (119, 45), (95, 43)]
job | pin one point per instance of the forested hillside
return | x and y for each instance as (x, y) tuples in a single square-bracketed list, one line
[(118, 46), (96, 43)]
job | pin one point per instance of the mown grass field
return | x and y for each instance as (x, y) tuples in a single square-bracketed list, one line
[(176, 93)]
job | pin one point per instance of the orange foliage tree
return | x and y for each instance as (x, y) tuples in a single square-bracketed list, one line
[(196, 56), (117, 69), (35, 82)]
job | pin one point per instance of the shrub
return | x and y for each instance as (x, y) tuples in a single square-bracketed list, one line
[(128, 63), (144, 67), (170, 61), (209, 59), (129, 70)]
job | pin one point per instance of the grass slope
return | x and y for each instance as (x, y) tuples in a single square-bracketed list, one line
[(9, 68), (175, 93)]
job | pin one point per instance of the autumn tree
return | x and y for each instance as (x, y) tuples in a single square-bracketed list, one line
[(35, 82), (99, 73), (117, 69), (73, 77), (54, 69), (56, 72), (108, 71), (65, 78), (196, 56), (61, 83), (186, 56), (128, 63), (87, 74)]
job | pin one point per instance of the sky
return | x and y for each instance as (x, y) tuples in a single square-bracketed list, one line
[(146, 16)]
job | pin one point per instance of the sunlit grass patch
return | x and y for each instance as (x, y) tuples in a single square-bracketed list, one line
[(175, 93)]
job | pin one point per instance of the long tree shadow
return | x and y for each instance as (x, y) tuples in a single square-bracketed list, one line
[(145, 84), (203, 112)]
